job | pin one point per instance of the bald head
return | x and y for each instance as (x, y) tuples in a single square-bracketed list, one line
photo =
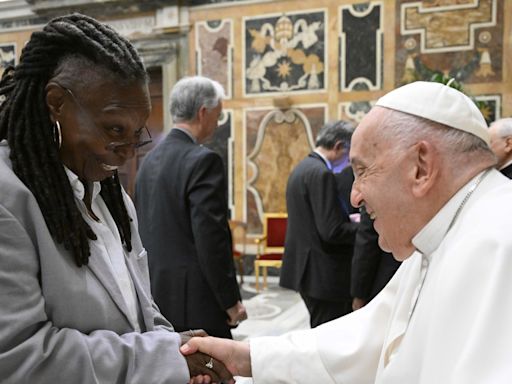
[(501, 141)]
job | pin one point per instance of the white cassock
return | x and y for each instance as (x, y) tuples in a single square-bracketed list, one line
[(444, 318)]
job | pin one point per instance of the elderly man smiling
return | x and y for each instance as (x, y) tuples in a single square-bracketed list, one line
[(425, 173)]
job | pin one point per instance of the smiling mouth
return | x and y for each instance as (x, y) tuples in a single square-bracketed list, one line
[(107, 167)]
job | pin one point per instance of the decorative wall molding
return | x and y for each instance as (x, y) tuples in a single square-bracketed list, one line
[(361, 46)]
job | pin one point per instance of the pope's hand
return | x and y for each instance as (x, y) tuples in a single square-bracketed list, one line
[(235, 355)]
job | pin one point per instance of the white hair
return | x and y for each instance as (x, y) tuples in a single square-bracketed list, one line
[(404, 130), (190, 94), (503, 127)]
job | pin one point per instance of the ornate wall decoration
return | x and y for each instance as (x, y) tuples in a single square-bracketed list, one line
[(284, 53), (7, 55), (462, 39), (490, 106), (361, 39), (222, 143), (354, 111), (214, 47), (276, 141)]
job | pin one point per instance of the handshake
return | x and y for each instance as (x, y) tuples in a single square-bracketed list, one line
[(203, 368), (208, 365)]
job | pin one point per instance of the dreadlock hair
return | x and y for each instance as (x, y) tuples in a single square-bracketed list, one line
[(25, 123)]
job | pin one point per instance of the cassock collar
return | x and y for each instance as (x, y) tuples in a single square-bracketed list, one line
[(430, 236), (78, 187)]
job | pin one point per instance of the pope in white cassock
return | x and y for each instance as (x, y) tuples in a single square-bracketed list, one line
[(424, 171)]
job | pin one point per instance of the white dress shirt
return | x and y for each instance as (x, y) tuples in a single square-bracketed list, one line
[(109, 242)]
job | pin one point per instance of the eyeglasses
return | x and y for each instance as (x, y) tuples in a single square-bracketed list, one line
[(115, 145)]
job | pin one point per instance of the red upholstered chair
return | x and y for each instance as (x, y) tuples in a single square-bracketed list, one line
[(239, 238), (270, 246)]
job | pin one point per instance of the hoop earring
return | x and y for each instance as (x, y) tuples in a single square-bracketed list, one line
[(57, 134)]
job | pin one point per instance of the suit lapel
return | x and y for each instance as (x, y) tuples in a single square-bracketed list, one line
[(103, 272)]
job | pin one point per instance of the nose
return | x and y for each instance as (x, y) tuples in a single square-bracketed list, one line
[(356, 198), (125, 151)]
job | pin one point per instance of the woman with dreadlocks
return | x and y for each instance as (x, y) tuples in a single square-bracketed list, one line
[(75, 303)]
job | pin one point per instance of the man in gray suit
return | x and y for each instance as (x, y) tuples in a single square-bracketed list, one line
[(501, 144), (182, 206)]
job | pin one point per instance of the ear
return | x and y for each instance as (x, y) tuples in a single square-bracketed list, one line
[(426, 168), (54, 100), (201, 114), (339, 148), (508, 144)]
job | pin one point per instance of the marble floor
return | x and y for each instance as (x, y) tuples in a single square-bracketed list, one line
[(272, 311)]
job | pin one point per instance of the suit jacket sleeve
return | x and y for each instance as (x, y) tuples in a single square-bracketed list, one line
[(332, 223), (208, 210), (366, 258)]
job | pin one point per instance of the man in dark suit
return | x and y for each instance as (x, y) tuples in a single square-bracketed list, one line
[(372, 267), (319, 236), (182, 209), (501, 144)]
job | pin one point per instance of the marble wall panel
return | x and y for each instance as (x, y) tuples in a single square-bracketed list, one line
[(354, 111), (361, 39), (490, 106), (222, 143), (8, 55), (462, 39), (276, 141), (214, 47), (284, 53)]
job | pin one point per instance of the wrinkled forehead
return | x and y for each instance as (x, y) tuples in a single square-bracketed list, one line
[(367, 139)]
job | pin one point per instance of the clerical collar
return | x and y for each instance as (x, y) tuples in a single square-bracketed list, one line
[(430, 236)]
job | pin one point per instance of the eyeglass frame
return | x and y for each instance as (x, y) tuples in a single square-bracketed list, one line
[(113, 145)]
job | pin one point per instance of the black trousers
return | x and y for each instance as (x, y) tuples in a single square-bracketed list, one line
[(322, 311)]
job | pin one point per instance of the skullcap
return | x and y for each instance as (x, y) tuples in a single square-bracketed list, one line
[(439, 103)]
